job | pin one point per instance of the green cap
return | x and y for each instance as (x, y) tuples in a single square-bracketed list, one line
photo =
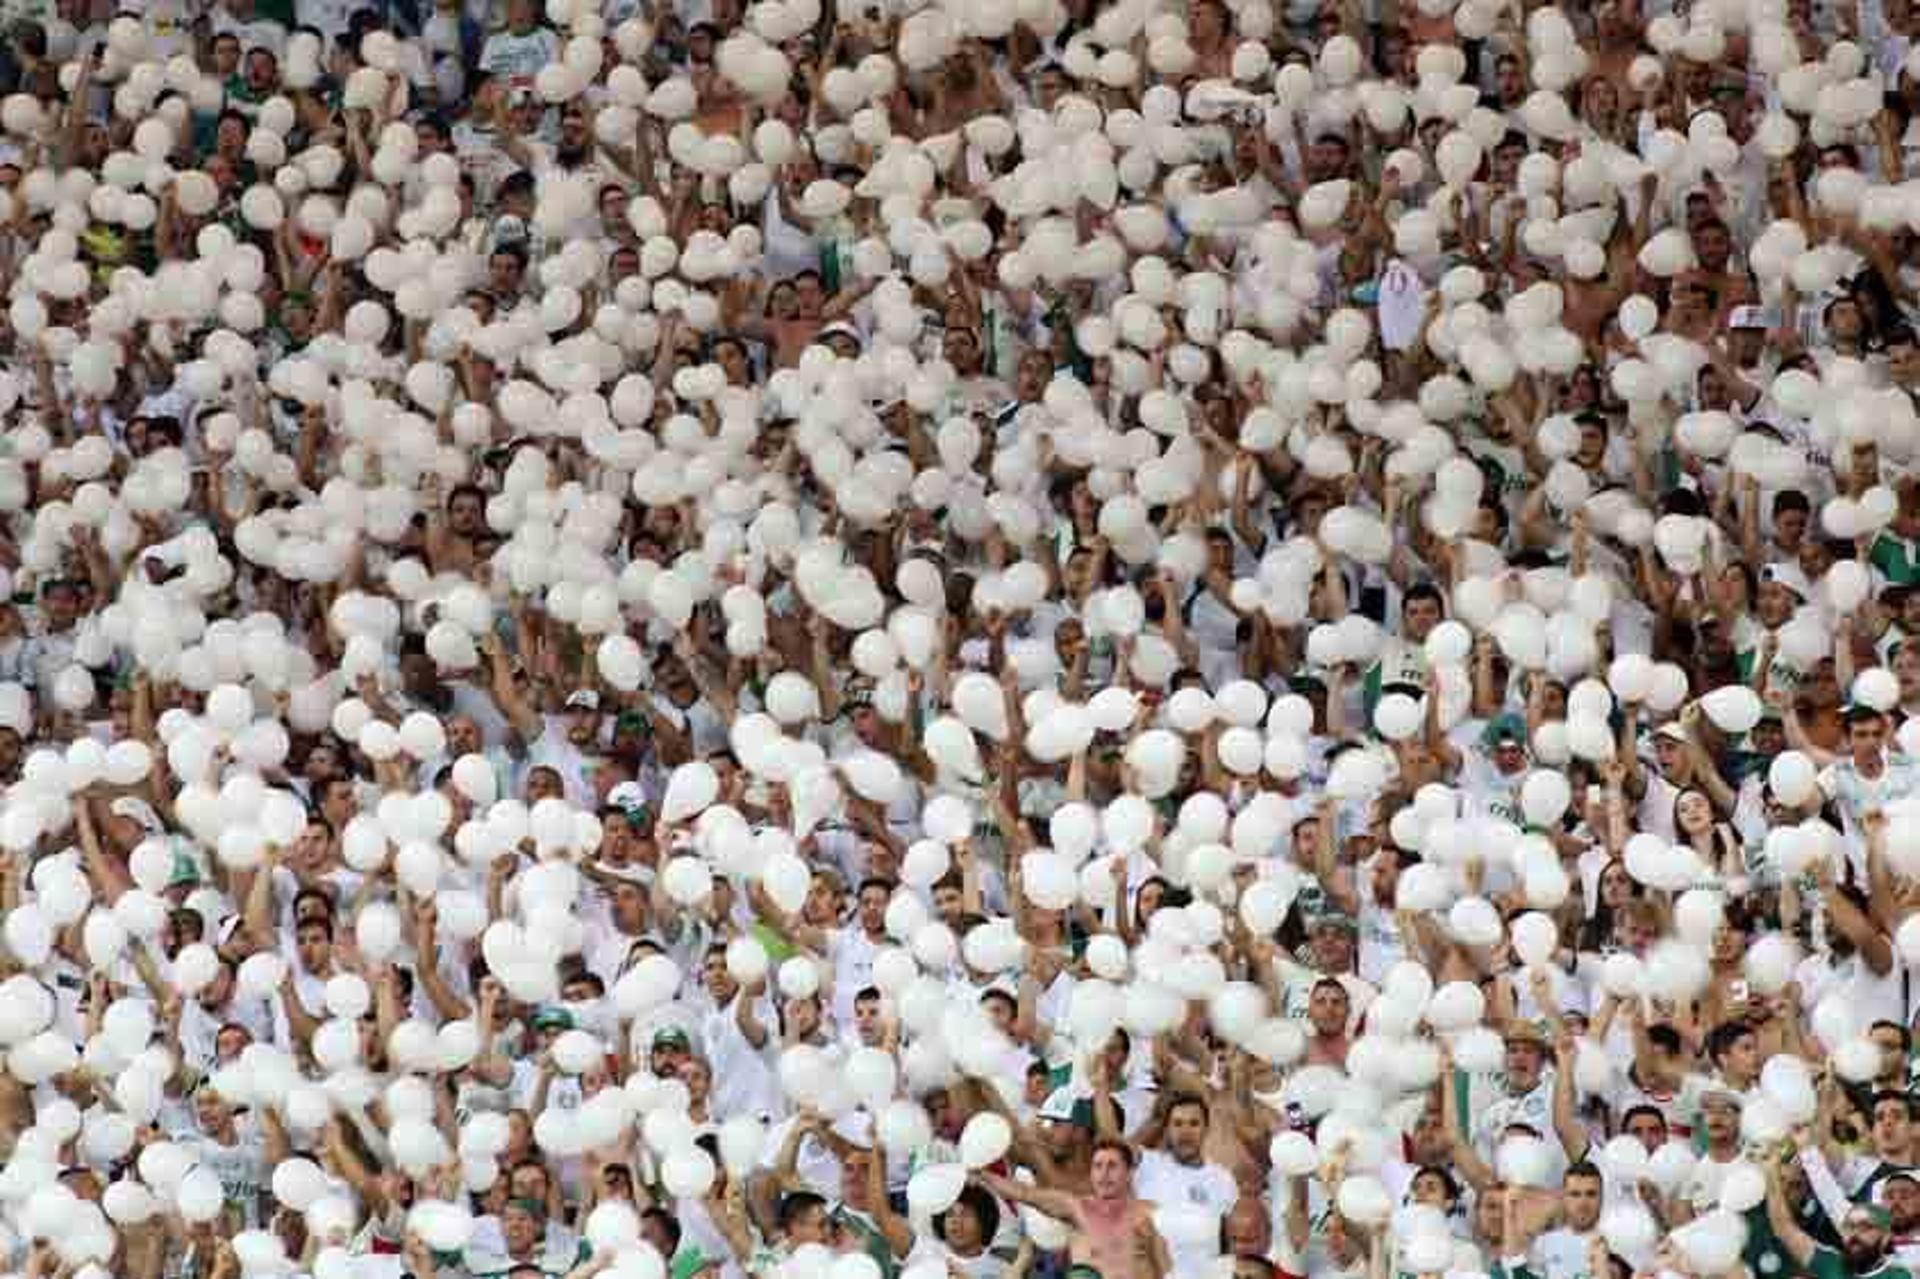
[(1504, 728), (1873, 1214), (185, 871), (551, 1018)]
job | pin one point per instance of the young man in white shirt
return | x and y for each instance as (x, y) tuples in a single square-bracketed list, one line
[(1174, 1176), (1566, 1251)]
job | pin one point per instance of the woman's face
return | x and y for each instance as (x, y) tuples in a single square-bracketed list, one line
[(1431, 1189), (1694, 813), (1616, 886), (1149, 899)]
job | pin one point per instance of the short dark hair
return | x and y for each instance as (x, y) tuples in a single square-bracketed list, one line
[(794, 1204), (1643, 1109), (993, 994), (1723, 1037), (1906, 1036), (1791, 500), (1886, 1095), (1423, 591), (1585, 1168)]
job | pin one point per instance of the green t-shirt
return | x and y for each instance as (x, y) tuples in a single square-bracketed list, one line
[(1828, 1263), (1897, 558)]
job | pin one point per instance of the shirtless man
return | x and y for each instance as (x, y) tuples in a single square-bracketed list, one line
[(1113, 1229)]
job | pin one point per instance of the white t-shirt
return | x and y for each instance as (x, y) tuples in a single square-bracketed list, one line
[(1166, 1183), (1563, 1254), (853, 953), (743, 1083), (519, 57), (241, 1167)]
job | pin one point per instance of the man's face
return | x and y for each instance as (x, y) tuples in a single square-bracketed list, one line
[(583, 727), (1581, 1198), (463, 736), (719, 982), (1722, 1120), (629, 907), (467, 514), (1743, 1056), (1420, 616), (521, 1228), (1511, 84), (1863, 1243), (1901, 1195), (261, 71), (1903, 363), (1326, 160), (873, 908), (1524, 1061), (1110, 1175), (314, 945), (1186, 1132), (1648, 1131), (1866, 738), (1891, 1125), (1332, 948), (1713, 246), (62, 606), (1327, 1008)]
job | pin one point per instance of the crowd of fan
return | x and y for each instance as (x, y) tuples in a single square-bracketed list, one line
[(944, 639)]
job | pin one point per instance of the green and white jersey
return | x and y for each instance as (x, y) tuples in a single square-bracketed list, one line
[(1897, 558), (241, 1168), (1506, 470)]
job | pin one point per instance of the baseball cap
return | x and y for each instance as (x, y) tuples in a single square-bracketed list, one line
[(583, 699), (551, 1018), (630, 799), (1789, 576), (1062, 1106), (1673, 731), (1869, 1215), (672, 1037), (186, 873), (1336, 919), (840, 328), (1750, 317), (1504, 728)]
